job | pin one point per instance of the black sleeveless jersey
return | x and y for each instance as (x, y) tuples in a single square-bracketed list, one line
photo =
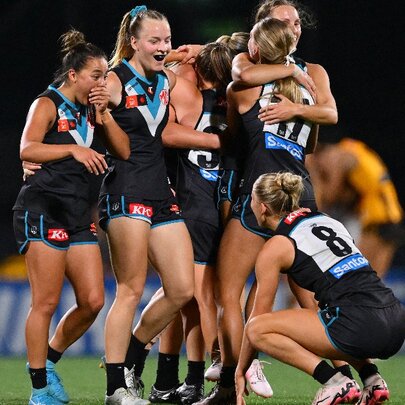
[(142, 113), (198, 169), (328, 263), (277, 147), (65, 182), (74, 124)]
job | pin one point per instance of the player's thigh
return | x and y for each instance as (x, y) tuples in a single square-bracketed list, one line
[(85, 272), (236, 259), (128, 241), (171, 254), (301, 325), (46, 271)]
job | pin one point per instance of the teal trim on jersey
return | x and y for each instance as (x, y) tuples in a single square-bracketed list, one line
[(65, 99), (153, 105), (327, 331), (204, 263), (167, 223), (27, 239), (246, 226), (135, 72), (81, 122), (83, 243), (230, 185), (108, 206)]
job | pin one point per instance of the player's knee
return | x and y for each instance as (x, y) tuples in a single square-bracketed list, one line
[(46, 307), (254, 330), (229, 297), (94, 304), (182, 296), (129, 295), (205, 298), (185, 297)]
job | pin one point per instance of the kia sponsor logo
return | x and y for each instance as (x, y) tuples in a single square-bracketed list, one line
[(59, 235), (140, 209), (294, 215)]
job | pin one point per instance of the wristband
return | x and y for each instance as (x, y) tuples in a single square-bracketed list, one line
[(296, 72)]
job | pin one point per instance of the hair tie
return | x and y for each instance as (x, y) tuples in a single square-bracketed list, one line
[(289, 58), (136, 10)]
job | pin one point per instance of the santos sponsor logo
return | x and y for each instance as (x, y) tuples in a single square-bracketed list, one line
[(350, 263), (140, 209), (210, 175), (274, 142)]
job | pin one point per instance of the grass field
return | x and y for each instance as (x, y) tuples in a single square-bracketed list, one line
[(85, 382)]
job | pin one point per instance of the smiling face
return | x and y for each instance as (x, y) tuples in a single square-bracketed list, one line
[(151, 46), (93, 74), (290, 16)]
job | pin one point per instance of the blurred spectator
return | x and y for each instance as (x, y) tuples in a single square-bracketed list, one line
[(352, 182)]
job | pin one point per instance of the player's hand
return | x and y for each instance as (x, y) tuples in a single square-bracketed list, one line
[(99, 97), (191, 52), (241, 388), (29, 169), (274, 113), (94, 161)]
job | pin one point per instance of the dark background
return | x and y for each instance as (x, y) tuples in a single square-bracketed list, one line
[(359, 42)]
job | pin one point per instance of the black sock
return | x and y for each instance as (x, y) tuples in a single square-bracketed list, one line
[(135, 353), (167, 375), (345, 370), (139, 366), (38, 377), (368, 370), (195, 373), (323, 372), (115, 377), (53, 355), (227, 376)]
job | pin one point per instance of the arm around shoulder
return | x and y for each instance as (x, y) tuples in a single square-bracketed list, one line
[(245, 71)]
